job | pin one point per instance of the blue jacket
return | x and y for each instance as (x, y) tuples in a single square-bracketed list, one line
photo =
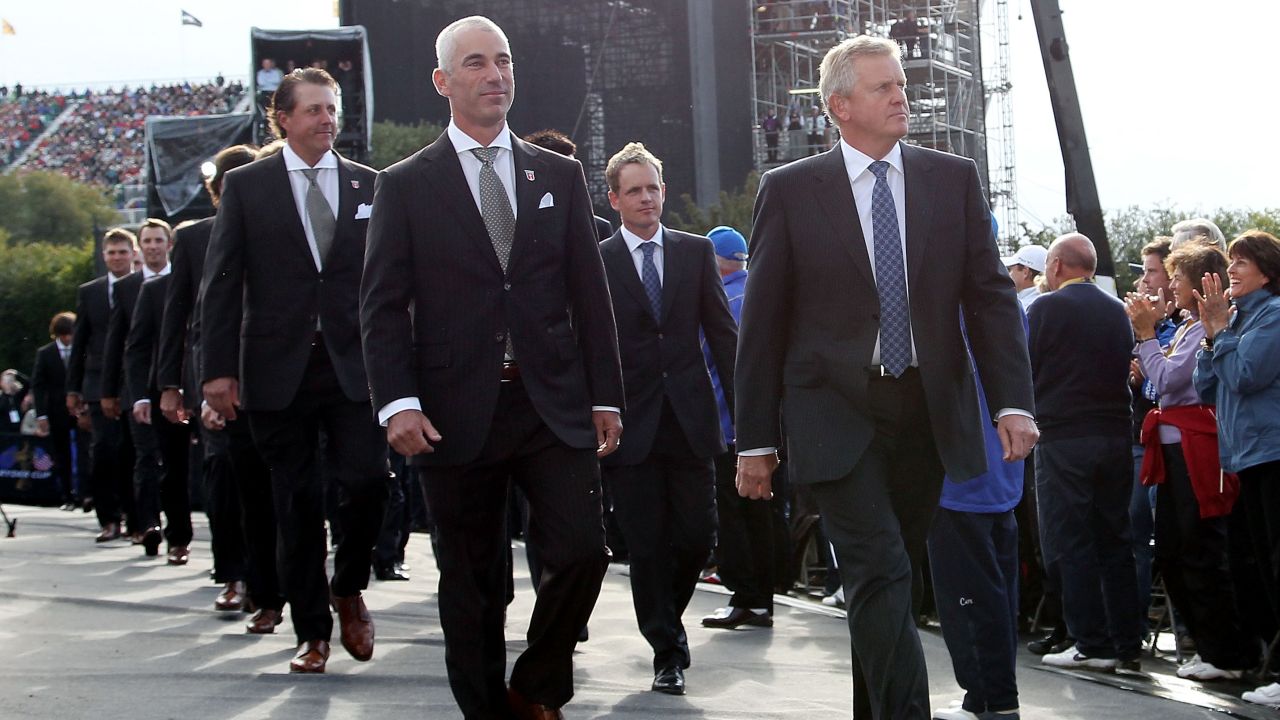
[(997, 490), (1242, 376), (735, 286)]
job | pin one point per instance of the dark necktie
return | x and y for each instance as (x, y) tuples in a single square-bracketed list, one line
[(320, 213), (891, 277), (649, 278), (66, 355), (495, 206)]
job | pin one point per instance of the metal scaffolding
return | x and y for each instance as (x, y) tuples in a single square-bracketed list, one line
[(942, 58)]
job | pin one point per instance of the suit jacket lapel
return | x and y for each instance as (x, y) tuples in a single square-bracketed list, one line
[(835, 196), (672, 246), (347, 198), (623, 269), (530, 179), (443, 174), (919, 187), (282, 197)]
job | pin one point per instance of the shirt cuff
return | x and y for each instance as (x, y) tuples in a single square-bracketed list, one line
[(395, 406), (1013, 411), (140, 402), (757, 452), (42, 417), (606, 408)]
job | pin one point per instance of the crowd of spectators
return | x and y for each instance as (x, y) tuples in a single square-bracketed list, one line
[(23, 116), (102, 140)]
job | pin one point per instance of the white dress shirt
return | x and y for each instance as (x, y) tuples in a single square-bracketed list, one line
[(327, 179), (1026, 296), (503, 164), (148, 275), (634, 242)]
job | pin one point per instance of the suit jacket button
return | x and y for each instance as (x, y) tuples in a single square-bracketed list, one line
[(664, 373), (506, 286), (499, 337), (659, 336)]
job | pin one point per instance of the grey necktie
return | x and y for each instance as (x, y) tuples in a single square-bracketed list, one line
[(495, 206), (320, 214)]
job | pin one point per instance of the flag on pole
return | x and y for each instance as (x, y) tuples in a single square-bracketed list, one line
[(189, 19), (6, 28)]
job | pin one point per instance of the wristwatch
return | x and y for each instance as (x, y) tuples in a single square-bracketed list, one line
[(1206, 344)]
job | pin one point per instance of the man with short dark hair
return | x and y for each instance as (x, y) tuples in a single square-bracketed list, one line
[(1081, 342), (112, 473), (665, 287), (280, 342), (152, 457), (49, 390)]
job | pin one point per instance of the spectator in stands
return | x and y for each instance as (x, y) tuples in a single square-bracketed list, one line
[(771, 125), (911, 34), (1237, 370), (813, 125), (1194, 498), (1200, 229), (1024, 267), (269, 76), (1081, 343)]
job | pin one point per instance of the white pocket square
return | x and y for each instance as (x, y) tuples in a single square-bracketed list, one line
[(363, 211), (546, 201)]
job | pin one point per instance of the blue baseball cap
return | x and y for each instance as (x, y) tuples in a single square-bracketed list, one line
[(729, 243)]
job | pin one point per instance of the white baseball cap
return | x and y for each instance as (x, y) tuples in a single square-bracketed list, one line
[(1032, 256)]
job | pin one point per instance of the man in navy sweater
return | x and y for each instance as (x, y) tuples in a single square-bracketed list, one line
[(1080, 345)]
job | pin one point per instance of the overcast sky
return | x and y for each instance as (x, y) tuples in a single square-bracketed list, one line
[(1177, 95)]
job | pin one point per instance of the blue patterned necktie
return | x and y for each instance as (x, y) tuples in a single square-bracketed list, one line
[(891, 277), (649, 277)]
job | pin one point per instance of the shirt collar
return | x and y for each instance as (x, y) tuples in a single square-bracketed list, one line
[(61, 347), (148, 273), (1074, 281), (856, 161), (112, 279), (634, 241), (292, 162), (463, 142), (735, 276), (1253, 300)]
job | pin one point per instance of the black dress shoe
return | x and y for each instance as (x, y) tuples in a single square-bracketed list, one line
[(669, 680), (729, 618), (389, 572), (1054, 642)]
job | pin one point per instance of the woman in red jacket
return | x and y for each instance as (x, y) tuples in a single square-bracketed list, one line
[(1194, 496)]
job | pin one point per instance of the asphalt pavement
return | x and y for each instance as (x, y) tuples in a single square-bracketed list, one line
[(101, 631)]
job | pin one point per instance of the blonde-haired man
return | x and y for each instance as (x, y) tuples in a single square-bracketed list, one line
[(862, 260)]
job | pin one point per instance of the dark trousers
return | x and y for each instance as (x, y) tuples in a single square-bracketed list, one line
[(1260, 495), (60, 450), (253, 487), (357, 448), (1083, 486), (394, 535), (112, 475), (666, 508), (1141, 517), (469, 506), (877, 518), (745, 539), (974, 561), (222, 507), (160, 475), (1191, 553)]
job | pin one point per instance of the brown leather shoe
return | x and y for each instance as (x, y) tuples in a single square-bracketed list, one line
[(179, 555), (525, 710), (263, 622), (356, 625), (231, 599), (110, 531), (311, 658)]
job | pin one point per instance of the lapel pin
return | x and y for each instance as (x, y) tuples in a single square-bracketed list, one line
[(355, 184), (529, 174)]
